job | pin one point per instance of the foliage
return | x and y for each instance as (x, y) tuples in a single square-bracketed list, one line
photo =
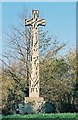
[(48, 107), (56, 116), (57, 75), (57, 81)]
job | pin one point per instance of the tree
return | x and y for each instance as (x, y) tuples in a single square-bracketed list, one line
[(16, 61), (72, 60), (58, 76)]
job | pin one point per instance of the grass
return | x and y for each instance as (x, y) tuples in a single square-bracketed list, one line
[(57, 116)]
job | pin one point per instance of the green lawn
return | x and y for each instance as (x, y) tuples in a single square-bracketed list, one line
[(57, 116)]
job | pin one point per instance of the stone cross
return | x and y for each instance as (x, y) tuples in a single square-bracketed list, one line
[(34, 75)]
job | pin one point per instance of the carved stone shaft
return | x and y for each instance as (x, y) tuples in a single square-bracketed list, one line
[(34, 76)]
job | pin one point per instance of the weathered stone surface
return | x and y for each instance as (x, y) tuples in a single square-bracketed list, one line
[(35, 102), (34, 74), (33, 99), (31, 107)]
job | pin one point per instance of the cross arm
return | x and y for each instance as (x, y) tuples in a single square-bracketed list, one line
[(41, 22), (28, 22)]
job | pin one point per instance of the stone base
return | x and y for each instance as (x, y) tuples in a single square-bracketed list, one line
[(33, 99), (35, 103)]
